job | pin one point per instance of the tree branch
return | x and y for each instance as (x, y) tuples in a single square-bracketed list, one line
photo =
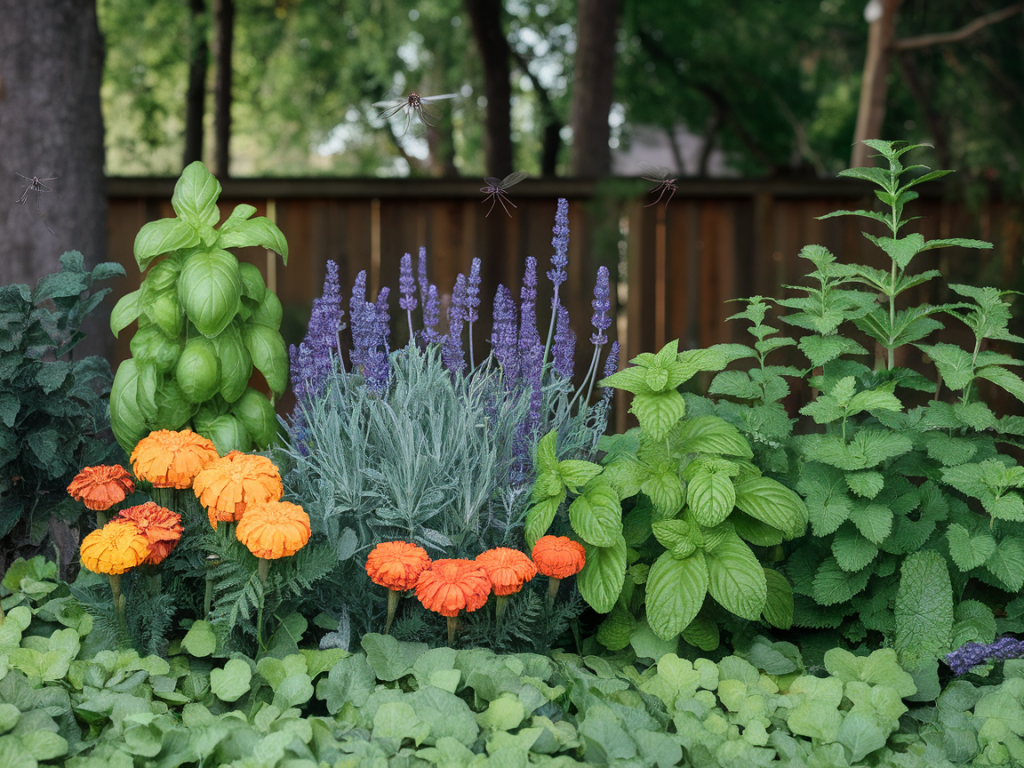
[(941, 38)]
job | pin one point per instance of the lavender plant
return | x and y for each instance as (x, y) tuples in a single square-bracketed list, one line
[(435, 443)]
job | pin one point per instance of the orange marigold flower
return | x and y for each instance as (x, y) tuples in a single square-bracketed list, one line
[(508, 569), (172, 459), (161, 527), (114, 548), (396, 565), (450, 586), (274, 529), (559, 556), (228, 485), (100, 488)]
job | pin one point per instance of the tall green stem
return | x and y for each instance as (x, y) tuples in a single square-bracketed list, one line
[(119, 605)]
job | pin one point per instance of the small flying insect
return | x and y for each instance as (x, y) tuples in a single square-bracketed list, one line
[(495, 190), (659, 176), (413, 105), (35, 184)]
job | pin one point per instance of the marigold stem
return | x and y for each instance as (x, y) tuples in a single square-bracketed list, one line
[(453, 622), (393, 597), (119, 602), (101, 519), (264, 569), (502, 601), (552, 589)]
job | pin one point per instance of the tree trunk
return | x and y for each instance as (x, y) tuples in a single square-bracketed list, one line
[(494, 52), (195, 99), (874, 82), (51, 63), (593, 86), (224, 37)]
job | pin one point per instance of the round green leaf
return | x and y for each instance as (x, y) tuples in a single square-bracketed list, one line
[(253, 286), (710, 497), (162, 236), (257, 415), (198, 371), (235, 364), (735, 578), (675, 593), (151, 346), (269, 355), (200, 640), (208, 412), (269, 311), (162, 278), (228, 434), (596, 516), (9, 715), (126, 421), (600, 581), (230, 683), (210, 288)]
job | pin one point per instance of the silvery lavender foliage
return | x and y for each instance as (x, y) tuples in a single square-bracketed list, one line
[(602, 303), (452, 354), (970, 655), (564, 350), (315, 358), (504, 339)]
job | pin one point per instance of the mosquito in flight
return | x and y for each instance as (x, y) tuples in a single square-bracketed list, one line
[(35, 184), (659, 176), (413, 105), (495, 190)]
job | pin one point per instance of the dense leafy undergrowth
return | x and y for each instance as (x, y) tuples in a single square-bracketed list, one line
[(67, 702)]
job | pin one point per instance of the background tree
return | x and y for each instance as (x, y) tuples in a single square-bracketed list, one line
[(51, 63), (597, 25)]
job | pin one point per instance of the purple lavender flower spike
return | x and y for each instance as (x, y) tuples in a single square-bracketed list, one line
[(460, 298), (970, 655), (377, 369), (611, 365), (382, 319), (601, 304), (504, 338), (564, 350), (451, 353), (422, 268), (298, 377), (473, 292), (314, 359), (407, 285), (531, 351), (363, 319), (561, 244), (431, 315)]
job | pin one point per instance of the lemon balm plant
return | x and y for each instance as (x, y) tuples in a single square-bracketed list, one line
[(204, 321)]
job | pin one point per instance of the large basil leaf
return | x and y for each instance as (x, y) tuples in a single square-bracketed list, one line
[(228, 434), (195, 196), (210, 288), (126, 421), (150, 345), (259, 231), (269, 311), (269, 355), (235, 364), (126, 311), (675, 593), (163, 236), (596, 516), (198, 371), (257, 415), (173, 409), (600, 581)]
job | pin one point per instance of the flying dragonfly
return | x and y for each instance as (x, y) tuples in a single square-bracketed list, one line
[(495, 190), (659, 176), (35, 184), (412, 105)]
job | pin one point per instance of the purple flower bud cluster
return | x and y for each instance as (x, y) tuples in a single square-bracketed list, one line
[(564, 350), (451, 353), (970, 655), (611, 365), (431, 304), (602, 303), (531, 350), (407, 285), (314, 360), (473, 293), (370, 330), (504, 339), (560, 242)]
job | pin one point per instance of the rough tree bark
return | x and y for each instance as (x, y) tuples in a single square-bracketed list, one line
[(224, 39), (597, 23), (51, 62), (195, 98), (489, 32), (874, 82)]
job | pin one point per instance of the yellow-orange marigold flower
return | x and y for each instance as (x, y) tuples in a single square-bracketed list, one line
[(559, 556), (100, 488), (508, 569), (172, 459), (396, 565), (114, 548), (228, 485), (161, 527), (450, 586), (274, 529)]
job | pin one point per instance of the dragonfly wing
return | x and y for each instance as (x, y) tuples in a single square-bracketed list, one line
[(493, 182), (513, 178), (438, 98), (653, 172)]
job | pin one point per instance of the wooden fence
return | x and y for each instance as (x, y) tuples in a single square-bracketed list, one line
[(673, 268)]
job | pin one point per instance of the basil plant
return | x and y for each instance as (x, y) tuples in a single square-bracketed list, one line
[(204, 321)]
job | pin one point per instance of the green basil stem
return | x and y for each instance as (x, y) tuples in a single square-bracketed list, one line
[(393, 597)]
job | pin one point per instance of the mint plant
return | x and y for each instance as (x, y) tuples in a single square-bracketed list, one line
[(915, 513), (205, 321), (696, 511)]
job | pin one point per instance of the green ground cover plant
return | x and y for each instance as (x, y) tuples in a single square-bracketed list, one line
[(204, 321), (53, 410)]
